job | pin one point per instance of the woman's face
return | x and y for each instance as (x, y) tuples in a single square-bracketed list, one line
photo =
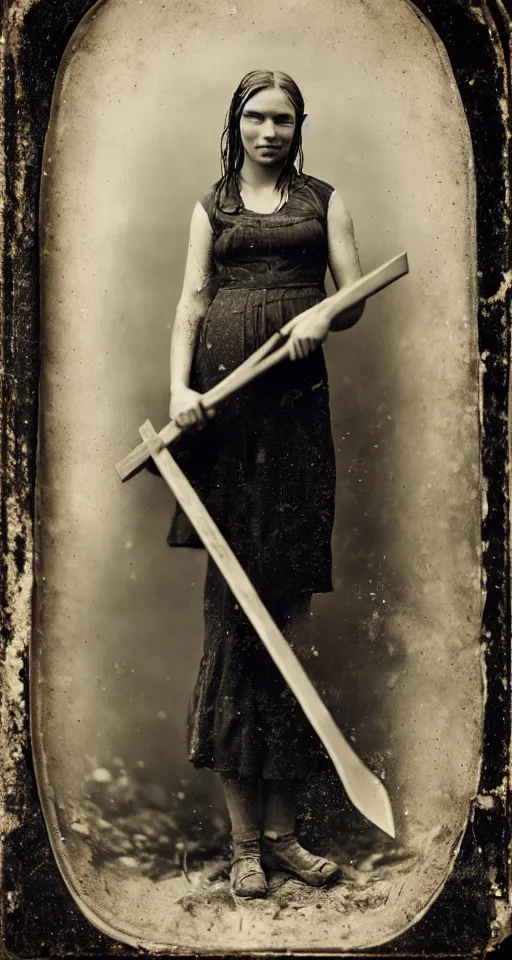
[(267, 126)]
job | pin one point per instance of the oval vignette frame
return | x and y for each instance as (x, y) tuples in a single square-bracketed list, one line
[(36, 35)]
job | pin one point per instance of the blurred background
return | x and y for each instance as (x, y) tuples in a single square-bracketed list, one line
[(133, 142)]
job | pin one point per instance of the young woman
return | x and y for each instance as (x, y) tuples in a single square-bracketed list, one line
[(260, 242)]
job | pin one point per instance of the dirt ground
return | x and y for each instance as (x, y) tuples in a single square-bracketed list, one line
[(152, 873), (195, 910)]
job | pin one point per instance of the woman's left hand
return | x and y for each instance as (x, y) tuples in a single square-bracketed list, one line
[(310, 331)]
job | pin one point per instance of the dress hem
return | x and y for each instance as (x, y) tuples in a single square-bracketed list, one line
[(233, 773)]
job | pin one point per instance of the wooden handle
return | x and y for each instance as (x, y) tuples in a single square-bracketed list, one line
[(263, 358), (367, 286), (243, 374)]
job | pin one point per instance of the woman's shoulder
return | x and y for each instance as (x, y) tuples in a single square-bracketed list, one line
[(319, 190), (221, 198), (208, 199), (321, 186)]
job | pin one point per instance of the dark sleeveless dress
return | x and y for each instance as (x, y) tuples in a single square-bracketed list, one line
[(265, 468)]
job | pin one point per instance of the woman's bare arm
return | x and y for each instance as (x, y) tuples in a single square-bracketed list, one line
[(345, 269), (195, 297), (194, 301), (343, 257)]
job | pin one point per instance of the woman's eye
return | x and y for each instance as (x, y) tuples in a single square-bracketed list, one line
[(279, 121)]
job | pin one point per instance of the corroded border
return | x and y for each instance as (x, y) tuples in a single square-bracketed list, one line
[(40, 917)]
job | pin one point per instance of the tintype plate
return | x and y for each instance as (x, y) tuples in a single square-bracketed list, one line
[(112, 115)]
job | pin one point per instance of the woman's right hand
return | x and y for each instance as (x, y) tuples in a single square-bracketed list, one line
[(186, 407)]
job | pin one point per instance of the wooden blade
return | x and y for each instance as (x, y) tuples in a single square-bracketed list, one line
[(363, 788), (255, 365)]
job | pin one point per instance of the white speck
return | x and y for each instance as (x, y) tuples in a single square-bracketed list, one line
[(180, 795), (128, 545), (102, 775), (406, 813), (140, 763), (161, 715), (80, 828)]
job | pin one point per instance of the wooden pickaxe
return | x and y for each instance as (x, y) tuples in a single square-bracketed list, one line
[(363, 788)]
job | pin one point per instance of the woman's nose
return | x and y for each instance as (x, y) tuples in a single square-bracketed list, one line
[(269, 130)]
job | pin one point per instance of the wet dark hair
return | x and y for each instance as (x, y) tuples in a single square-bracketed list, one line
[(232, 151)]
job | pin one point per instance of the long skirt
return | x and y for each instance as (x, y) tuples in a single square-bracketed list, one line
[(244, 721), (264, 467)]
